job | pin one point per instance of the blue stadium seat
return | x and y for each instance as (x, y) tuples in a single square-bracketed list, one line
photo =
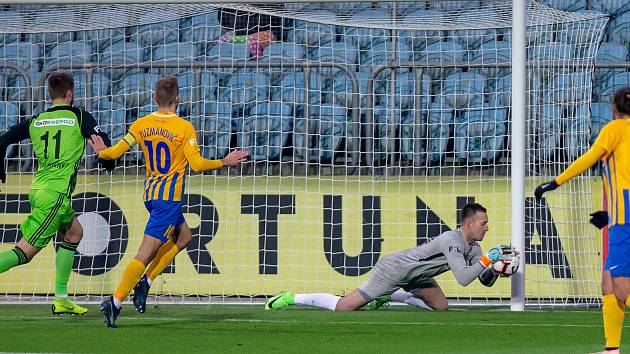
[(382, 53), (136, 89), (546, 128), (201, 28), (364, 38), (419, 39), (266, 130), (339, 53), (342, 89), (493, 52), (110, 115), (461, 90), (327, 128), (293, 89), (612, 7), (287, 51), (68, 53), (577, 133), (550, 51), (384, 119), (214, 125), (601, 114), (158, 32), (228, 51), (568, 88), (311, 33), (17, 87), (413, 131), (121, 52), (437, 53), (609, 52), (182, 53), (438, 129), (405, 91), (244, 88), (26, 55), (613, 84), (9, 116), (479, 135)]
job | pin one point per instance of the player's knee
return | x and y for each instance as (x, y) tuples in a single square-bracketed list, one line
[(440, 307), (621, 294)]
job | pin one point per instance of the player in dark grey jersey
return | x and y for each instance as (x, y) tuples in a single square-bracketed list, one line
[(414, 269)]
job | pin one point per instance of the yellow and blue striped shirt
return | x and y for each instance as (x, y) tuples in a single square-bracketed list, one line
[(614, 138), (166, 141)]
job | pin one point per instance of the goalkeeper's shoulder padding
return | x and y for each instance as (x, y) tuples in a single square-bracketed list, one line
[(488, 277)]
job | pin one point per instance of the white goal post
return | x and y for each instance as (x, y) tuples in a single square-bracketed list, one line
[(369, 124)]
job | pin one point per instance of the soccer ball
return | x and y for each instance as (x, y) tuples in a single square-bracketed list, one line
[(506, 267)]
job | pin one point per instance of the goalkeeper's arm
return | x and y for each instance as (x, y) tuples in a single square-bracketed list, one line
[(488, 277)]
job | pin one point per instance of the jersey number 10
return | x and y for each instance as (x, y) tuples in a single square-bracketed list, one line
[(155, 159)]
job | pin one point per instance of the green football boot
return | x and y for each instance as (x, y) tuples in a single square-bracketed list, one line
[(379, 302), (61, 305), (281, 300)]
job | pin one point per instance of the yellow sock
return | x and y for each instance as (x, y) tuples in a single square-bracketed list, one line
[(163, 258), (132, 274), (613, 311)]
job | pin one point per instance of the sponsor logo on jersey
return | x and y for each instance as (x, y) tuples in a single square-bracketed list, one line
[(69, 122)]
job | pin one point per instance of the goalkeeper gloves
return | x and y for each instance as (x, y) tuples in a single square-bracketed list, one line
[(496, 254), (544, 188), (599, 219)]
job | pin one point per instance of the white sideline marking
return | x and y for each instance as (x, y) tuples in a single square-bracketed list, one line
[(244, 320)]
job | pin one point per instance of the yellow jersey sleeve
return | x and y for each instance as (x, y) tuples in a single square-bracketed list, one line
[(135, 130), (609, 137), (190, 142)]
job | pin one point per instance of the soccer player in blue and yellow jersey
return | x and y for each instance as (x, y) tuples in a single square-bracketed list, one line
[(169, 144), (612, 147)]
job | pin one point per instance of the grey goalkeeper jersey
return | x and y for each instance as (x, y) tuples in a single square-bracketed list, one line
[(447, 251)]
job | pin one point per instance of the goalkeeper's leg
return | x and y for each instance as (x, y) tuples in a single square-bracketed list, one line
[(431, 294), (351, 302)]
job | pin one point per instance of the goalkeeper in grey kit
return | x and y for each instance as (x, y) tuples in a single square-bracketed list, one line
[(414, 270)]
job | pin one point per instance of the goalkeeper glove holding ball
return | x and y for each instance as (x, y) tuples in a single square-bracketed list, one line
[(496, 254)]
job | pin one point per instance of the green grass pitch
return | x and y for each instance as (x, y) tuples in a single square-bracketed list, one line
[(250, 329)]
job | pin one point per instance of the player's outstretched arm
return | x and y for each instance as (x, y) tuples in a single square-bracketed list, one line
[(199, 164), (114, 152), (583, 163), (14, 135)]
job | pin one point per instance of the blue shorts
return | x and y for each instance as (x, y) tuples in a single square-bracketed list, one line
[(164, 218), (618, 260)]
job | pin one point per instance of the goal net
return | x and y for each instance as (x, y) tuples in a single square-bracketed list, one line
[(369, 125)]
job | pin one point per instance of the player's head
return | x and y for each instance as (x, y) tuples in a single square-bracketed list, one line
[(474, 221), (167, 91), (621, 103), (61, 87)]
